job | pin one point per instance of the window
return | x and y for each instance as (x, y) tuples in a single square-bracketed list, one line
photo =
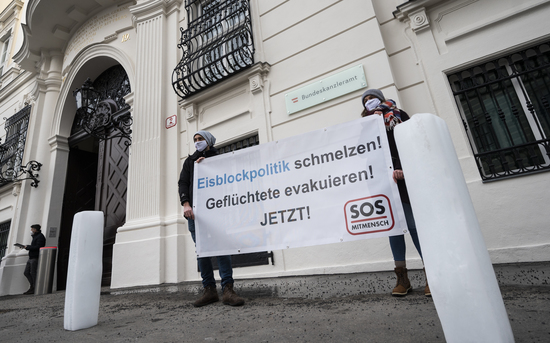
[(505, 108), (4, 234), (216, 45), (11, 152), (5, 46), (4, 51), (243, 143)]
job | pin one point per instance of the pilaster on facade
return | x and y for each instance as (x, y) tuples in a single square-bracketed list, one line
[(58, 160), (260, 101), (148, 9), (149, 106)]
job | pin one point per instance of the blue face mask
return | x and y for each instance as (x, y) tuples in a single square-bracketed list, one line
[(201, 145)]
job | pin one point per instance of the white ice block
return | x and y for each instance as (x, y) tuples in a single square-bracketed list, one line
[(461, 277), (84, 273)]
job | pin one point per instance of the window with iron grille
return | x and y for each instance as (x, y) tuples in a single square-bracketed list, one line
[(217, 44), (505, 109), (243, 143), (4, 234), (11, 152)]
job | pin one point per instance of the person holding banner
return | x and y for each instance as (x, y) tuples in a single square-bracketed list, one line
[(374, 102), (204, 143)]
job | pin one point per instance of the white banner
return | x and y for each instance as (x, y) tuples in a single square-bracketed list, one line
[(326, 186)]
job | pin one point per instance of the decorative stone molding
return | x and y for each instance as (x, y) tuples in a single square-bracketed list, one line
[(16, 188), (129, 100), (39, 87), (58, 142), (260, 69), (419, 20), (256, 84), (28, 99), (255, 75), (190, 112), (110, 37), (415, 13)]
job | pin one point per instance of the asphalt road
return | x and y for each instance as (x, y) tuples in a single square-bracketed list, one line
[(166, 314)]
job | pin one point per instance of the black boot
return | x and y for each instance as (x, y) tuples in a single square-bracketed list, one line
[(209, 296), (230, 297), (403, 285)]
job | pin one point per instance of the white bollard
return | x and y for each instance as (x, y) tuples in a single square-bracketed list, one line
[(461, 277), (84, 273)]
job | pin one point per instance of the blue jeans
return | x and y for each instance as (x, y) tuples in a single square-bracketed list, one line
[(397, 243), (205, 264)]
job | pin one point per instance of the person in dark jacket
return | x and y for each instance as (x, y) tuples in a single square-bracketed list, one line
[(38, 241), (204, 143), (374, 102)]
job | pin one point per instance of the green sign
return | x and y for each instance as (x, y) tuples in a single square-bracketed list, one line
[(327, 89)]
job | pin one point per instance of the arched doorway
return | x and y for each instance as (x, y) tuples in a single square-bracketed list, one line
[(97, 173)]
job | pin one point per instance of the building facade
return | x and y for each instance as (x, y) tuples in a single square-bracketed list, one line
[(166, 69)]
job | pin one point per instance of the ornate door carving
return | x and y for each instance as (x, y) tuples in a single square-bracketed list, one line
[(112, 178)]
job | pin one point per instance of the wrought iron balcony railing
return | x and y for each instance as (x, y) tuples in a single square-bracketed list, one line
[(216, 45), (11, 151)]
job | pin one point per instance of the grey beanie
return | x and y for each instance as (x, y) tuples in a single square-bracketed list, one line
[(376, 92), (208, 137)]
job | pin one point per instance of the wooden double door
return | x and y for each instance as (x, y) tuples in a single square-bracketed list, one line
[(97, 175)]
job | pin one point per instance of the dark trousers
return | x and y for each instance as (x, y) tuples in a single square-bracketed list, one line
[(31, 270)]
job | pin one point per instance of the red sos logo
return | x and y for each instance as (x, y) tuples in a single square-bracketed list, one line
[(369, 215)]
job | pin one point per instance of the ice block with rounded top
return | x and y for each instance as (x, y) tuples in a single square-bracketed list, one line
[(461, 277), (84, 272)]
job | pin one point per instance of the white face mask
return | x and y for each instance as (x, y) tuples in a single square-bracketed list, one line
[(201, 145), (372, 104)]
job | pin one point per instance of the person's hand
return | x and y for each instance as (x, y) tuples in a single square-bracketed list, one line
[(188, 211), (398, 175), (199, 160), (378, 112)]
